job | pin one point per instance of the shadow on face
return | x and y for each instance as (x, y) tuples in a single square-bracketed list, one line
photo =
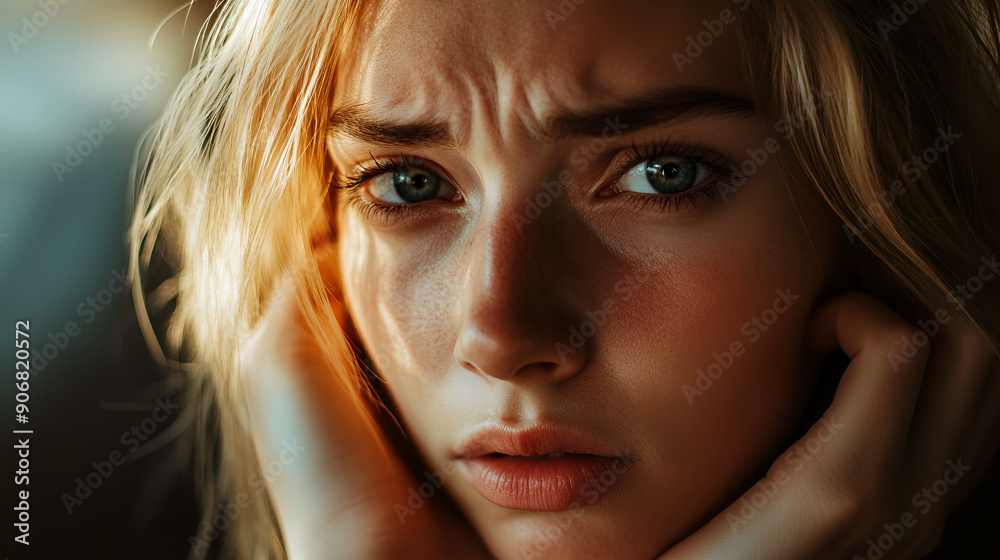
[(571, 217)]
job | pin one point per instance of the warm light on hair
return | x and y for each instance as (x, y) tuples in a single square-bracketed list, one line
[(234, 193)]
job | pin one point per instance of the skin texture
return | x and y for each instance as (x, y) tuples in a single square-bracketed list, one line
[(463, 305), (469, 303)]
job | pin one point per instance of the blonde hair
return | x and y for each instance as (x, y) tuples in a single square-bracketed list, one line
[(893, 93), (229, 197), (232, 195)]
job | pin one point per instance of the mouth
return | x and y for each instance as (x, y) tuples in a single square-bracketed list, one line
[(540, 468)]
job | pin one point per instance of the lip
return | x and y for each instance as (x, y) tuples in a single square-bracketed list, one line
[(513, 467)]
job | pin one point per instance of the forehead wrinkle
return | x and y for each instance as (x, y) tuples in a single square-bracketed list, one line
[(508, 112), (547, 98), (496, 85), (492, 85), (496, 99), (499, 105)]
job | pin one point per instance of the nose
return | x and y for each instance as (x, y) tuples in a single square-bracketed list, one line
[(517, 305)]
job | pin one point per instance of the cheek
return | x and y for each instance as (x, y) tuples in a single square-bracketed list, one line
[(724, 362), (398, 298), (715, 374)]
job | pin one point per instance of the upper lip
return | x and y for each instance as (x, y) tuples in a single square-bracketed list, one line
[(531, 440)]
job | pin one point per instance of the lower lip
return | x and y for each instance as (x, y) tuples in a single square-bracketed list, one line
[(542, 484)]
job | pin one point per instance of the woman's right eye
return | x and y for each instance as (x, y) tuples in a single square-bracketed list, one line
[(409, 184)]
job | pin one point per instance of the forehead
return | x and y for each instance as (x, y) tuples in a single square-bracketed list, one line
[(518, 60)]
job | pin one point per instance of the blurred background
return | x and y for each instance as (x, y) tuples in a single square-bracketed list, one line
[(80, 82)]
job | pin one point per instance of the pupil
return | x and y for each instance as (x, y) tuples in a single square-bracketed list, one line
[(671, 175), (415, 185)]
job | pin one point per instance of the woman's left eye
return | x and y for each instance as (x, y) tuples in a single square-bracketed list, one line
[(664, 175)]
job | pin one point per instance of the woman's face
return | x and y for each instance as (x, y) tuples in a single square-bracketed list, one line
[(547, 252)]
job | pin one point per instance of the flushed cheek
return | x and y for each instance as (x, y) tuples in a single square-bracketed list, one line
[(712, 376)]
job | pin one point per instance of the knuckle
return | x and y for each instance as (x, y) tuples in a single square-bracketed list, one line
[(859, 500), (905, 346), (852, 505)]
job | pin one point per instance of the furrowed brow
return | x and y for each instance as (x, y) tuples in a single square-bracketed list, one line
[(358, 123), (658, 108)]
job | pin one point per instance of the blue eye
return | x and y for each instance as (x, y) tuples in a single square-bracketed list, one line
[(409, 184), (664, 175)]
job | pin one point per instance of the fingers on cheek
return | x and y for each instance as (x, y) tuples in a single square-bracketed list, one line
[(879, 389)]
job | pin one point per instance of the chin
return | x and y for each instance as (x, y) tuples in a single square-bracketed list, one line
[(567, 535)]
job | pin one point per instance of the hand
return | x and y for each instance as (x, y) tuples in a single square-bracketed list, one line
[(335, 494), (911, 427)]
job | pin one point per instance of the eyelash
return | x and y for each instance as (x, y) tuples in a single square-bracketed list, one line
[(717, 163), (704, 192), (376, 167), (369, 170)]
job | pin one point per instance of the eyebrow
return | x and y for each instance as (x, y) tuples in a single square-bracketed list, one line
[(359, 123), (658, 108)]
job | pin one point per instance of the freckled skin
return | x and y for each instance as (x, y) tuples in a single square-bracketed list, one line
[(464, 310)]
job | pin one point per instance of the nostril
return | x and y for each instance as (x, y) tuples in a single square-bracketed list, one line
[(468, 366), (526, 351)]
